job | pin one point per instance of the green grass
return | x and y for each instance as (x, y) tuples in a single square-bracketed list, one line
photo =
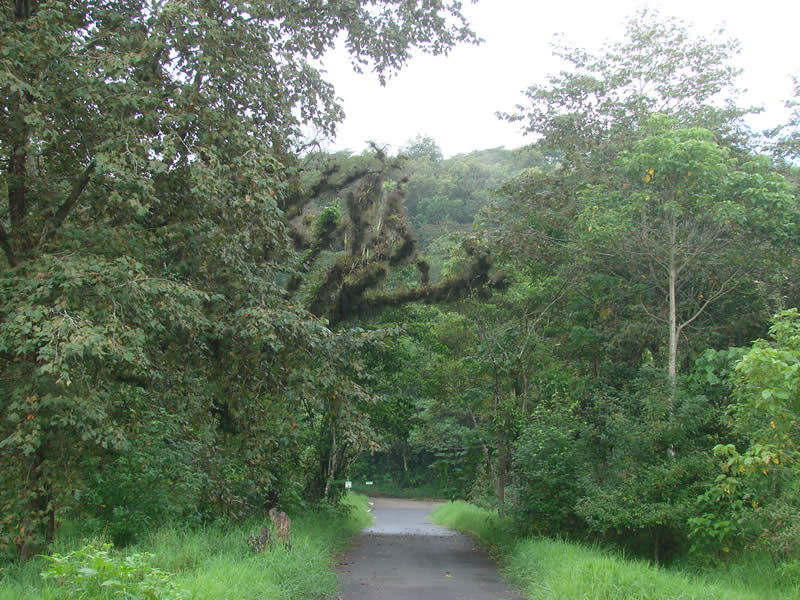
[(547, 569), (485, 526), (392, 489), (215, 563)]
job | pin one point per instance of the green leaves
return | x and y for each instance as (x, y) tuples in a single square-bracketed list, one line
[(757, 487), (145, 152), (94, 573), (768, 386)]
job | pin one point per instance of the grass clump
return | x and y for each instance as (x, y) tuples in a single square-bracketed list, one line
[(486, 526), (547, 569), (210, 563)]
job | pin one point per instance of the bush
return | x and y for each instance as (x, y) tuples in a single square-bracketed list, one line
[(92, 573), (548, 461)]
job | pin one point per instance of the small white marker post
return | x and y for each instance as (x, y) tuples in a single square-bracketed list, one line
[(348, 485)]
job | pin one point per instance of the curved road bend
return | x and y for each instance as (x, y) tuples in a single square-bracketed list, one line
[(403, 556)]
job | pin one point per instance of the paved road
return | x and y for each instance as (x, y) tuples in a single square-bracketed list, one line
[(403, 556)]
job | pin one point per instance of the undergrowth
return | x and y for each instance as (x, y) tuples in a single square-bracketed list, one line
[(211, 563), (547, 569)]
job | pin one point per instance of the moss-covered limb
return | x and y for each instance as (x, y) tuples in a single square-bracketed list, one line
[(374, 228), (477, 278), (325, 295), (376, 236), (326, 233), (424, 270), (352, 291), (345, 283), (360, 204)]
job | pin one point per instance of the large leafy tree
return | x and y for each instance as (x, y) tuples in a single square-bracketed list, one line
[(583, 119), (144, 150), (688, 220), (669, 236)]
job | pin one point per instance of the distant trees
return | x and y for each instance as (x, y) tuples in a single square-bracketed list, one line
[(787, 136), (590, 112)]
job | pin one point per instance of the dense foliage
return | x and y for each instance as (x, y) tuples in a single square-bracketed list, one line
[(614, 390), (155, 362), (202, 318)]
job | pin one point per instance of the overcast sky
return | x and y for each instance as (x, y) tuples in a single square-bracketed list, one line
[(454, 99)]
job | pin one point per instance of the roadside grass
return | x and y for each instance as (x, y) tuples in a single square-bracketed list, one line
[(215, 563), (547, 569), (486, 527)]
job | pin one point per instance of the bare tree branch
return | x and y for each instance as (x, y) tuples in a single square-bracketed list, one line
[(713, 298)]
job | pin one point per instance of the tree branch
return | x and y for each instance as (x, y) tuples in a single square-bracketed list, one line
[(63, 211), (720, 293), (653, 316), (538, 318)]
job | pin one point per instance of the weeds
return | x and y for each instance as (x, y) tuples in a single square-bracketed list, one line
[(208, 563)]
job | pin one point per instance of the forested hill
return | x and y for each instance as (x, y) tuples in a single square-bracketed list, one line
[(445, 195), (597, 335)]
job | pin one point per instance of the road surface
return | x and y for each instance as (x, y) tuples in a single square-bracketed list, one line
[(403, 556)]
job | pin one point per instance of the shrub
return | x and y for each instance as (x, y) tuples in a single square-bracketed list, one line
[(92, 573)]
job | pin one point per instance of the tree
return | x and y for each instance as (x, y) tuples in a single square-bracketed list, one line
[(147, 156), (670, 237), (688, 220), (365, 225), (586, 115), (787, 144), (754, 499), (583, 119)]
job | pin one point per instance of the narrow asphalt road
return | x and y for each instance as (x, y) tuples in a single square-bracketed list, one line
[(403, 556)]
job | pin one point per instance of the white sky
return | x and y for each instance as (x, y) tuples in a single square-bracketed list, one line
[(454, 99)]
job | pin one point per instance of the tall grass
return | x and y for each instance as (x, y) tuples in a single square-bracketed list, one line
[(547, 569), (215, 563)]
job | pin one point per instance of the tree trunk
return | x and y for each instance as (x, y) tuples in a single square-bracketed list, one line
[(17, 160), (501, 470), (331, 463), (656, 549), (38, 522), (500, 490), (673, 316)]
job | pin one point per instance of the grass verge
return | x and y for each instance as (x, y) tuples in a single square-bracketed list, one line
[(215, 563), (546, 569)]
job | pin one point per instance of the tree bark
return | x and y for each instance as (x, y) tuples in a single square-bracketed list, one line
[(16, 171)]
